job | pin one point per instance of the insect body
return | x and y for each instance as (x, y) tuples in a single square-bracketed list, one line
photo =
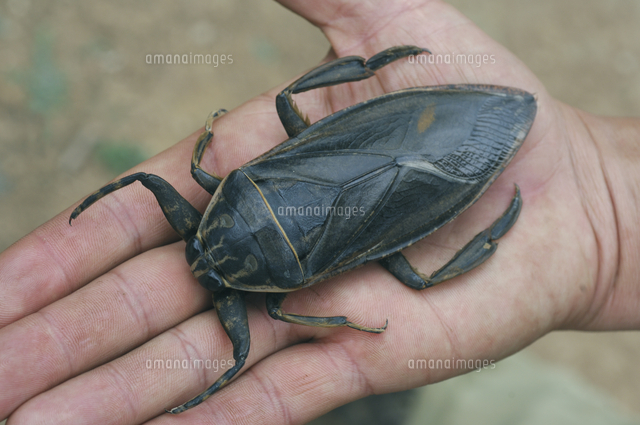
[(403, 165)]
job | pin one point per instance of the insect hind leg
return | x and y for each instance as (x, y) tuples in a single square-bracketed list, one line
[(476, 252), (274, 303), (338, 71)]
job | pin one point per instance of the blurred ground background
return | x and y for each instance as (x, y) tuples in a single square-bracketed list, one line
[(79, 105)]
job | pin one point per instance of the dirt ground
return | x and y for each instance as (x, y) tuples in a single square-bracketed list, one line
[(79, 104)]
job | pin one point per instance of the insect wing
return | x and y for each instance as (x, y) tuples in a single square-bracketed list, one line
[(371, 179)]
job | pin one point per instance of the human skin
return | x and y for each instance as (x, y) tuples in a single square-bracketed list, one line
[(83, 308)]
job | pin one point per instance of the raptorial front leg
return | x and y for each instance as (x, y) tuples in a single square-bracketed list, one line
[(232, 312), (476, 252), (274, 303), (182, 216), (338, 71), (207, 181)]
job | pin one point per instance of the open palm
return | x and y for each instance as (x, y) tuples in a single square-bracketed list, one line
[(84, 329)]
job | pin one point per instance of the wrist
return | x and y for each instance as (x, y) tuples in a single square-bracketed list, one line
[(611, 198)]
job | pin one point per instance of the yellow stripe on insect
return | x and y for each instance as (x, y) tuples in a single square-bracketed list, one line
[(286, 238)]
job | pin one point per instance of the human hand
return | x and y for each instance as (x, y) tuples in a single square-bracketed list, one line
[(114, 291)]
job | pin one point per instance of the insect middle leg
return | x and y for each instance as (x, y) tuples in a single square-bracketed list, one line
[(274, 303), (476, 252), (209, 182), (338, 71)]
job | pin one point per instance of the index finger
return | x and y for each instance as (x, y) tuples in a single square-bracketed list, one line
[(56, 259)]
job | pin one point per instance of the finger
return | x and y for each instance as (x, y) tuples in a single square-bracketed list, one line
[(56, 259), (121, 310), (293, 386), (160, 374), (366, 28), (139, 393), (301, 382), (348, 24)]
